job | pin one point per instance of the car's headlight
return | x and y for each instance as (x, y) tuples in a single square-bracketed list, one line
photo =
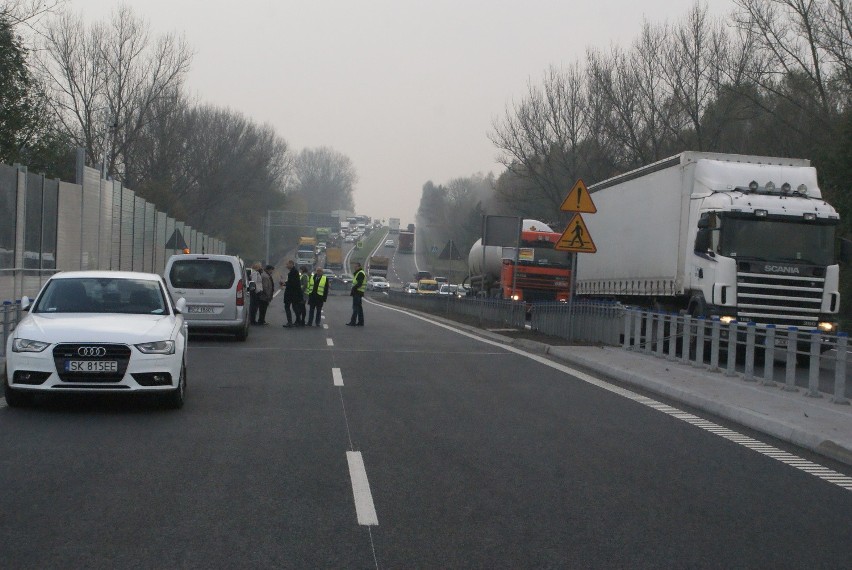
[(159, 347), (24, 345)]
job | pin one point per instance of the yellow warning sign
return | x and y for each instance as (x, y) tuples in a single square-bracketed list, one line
[(579, 200), (576, 237)]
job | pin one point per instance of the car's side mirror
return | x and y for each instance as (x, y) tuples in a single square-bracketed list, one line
[(25, 303), (180, 306)]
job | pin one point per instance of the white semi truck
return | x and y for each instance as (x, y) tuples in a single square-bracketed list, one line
[(746, 238)]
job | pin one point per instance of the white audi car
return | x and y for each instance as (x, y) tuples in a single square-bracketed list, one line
[(99, 332)]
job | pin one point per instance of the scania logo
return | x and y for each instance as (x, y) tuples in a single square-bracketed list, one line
[(91, 351), (781, 269)]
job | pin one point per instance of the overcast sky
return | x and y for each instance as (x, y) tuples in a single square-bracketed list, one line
[(407, 89)]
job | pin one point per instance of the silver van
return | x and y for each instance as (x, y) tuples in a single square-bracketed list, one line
[(215, 289)]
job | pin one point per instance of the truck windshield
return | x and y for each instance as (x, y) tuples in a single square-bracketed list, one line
[(777, 240), (544, 256)]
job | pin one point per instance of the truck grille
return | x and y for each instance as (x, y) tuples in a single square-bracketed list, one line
[(782, 300)]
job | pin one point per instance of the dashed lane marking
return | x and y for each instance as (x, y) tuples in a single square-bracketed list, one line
[(329, 342), (337, 376), (364, 507)]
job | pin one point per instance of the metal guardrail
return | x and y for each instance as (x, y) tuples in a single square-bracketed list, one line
[(696, 341), (491, 311), (593, 321)]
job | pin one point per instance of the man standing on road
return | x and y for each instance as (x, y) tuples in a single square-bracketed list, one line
[(292, 293), (317, 295), (359, 283), (301, 311), (264, 297), (254, 300)]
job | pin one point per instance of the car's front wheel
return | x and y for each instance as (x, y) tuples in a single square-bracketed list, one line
[(16, 398), (174, 400)]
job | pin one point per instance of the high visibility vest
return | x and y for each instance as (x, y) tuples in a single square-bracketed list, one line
[(363, 286), (320, 288)]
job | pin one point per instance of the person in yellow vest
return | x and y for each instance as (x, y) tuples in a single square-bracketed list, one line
[(359, 283), (317, 295)]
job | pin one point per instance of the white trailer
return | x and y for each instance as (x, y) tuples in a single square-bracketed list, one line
[(741, 237)]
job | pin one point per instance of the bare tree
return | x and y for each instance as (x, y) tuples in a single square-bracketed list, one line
[(788, 36), (107, 80), (539, 137), (325, 179), (27, 11)]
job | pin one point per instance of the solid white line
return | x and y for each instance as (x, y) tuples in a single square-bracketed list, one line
[(364, 507), (709, 427), (337, 376), (329, 342)]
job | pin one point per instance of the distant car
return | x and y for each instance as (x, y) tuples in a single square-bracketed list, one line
[(349, 239), (389, 243), (410, 288), (446, 289), (378, 284), (441, 279), (422, 275), (345, 279), (96, 332)]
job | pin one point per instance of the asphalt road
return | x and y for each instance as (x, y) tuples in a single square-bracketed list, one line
[(462, 453)]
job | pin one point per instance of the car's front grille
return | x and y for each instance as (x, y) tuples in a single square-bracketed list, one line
[(91, 352)]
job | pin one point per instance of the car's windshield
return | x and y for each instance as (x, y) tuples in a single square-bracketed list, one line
[(102, 295)]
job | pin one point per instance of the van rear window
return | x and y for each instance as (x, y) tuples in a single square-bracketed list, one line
[(202, 274)]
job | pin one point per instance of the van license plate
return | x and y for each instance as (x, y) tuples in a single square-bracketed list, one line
[(197, 309)]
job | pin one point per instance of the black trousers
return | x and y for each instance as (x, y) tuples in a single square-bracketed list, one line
[(262, 306)]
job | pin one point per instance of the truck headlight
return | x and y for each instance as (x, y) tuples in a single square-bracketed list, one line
[(826, 327), (727, 319)]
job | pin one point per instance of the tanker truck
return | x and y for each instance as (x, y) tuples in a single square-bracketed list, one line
[(540, 274), (745, 238)]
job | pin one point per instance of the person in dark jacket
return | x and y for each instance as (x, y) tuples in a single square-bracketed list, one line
[(292, 293), (317, 295)]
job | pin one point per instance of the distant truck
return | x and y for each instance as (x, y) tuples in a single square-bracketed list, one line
[(745, 238), (322, 234), (405, 242), (334, 258), (541, 273), (411, 228), (306, 251), (379, 266), (393, 225)]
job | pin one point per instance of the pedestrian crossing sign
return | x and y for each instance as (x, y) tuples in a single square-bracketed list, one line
[(579, 200), (576, 237)]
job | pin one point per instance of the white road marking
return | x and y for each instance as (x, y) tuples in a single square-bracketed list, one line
[(325, 326), (329, 342), (364, 507), (763, 448), (337, 376), (2, 403)]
